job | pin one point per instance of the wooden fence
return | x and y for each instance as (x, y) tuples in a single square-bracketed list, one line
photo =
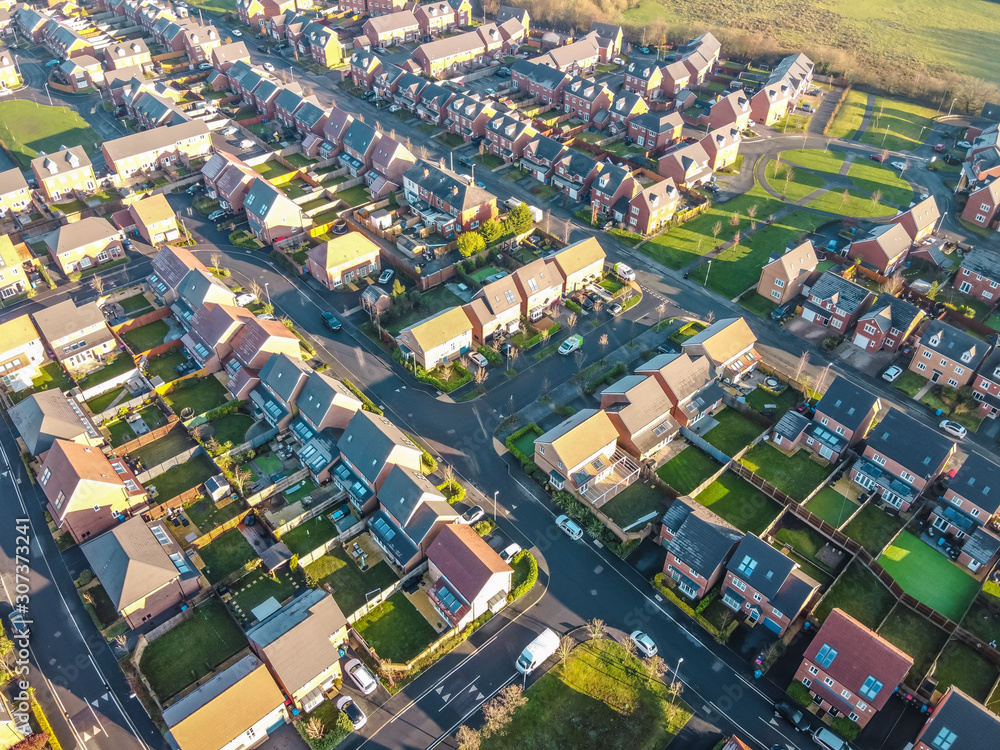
[(151, 436), (219, 530), (258, 497)]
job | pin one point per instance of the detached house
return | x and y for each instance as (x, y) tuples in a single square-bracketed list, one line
[(919, 220), (154, 220), (495, 309), (947, 355), (170, 266), (612, 190), (986, 384), (983, 205), (574, 173), (63, 173), (78, 336), (652, 208), (641, 413), (342, 259), (887, 324), (580, 264), (435, 18), (689, 383), (21, 352), (966, 509), (901, 458), (959, 722), (443, 337), (365, 66), (836, 302), (47, 416), (325, 47), (765, 586), (369, 449), (849, 670), (210, 338), (699, 544), (674, 78), (732, 110), (586, 99), (883, 250), (580, 56), (722, 146), (129, 53), (979, 275), (784, 275), (729, 346), (469, 577), (272, 215), (655, 130), (260, 12)]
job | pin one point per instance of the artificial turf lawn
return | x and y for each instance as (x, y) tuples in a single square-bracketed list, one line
[(929, 576), (739, 503), (688, 469)]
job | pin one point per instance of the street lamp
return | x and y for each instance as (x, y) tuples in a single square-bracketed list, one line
[(678, 668), (495, 493), (267, 292), (48, 93), (707, 273), (952, 105), (941, 222)]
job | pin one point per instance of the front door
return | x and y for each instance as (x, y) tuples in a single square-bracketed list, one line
[(935, 376)]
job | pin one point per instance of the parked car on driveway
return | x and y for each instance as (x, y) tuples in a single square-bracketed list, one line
[(347, 706), (963, 144), (509, 551), (205, 66), (615, 309), (361, 677), (473, 514), (393, 108), (386, 276), (954, 429), (245, 298), (892, 373), (267, 66), (217, 214), (331, 322)]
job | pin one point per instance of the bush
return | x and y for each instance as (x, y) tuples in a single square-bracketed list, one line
[(573, 306), (367, 404), (493, 357), (230, 407), (538, 337), (427, 462), (511, 442), (453, 492), (85, 578), (706, 600), (470, 243), (334, 735), (659, 581), (800, 694), (846, 728), (565, 410), (484, 527), (285, 262), (607, 378), (528, 583)]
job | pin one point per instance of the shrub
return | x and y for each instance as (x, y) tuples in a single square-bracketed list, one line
[(493, 357), (484, 527), (565, 410), (427, 462), (511, 441), (367, 404), (800, 693), (528, 583), (230, 407), (573, 306), (706, 600), (332, 736), (470, 243), (85, 578), (453, 492), (607, 378), (846, 728)]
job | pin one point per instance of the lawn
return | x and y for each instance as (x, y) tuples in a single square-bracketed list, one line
[(870, 176), (910, 383), (526, 443), (599, 698), (225, 555), (192, 649), (299, 160), (269, 463), (490, 161), (203, 395), (484, 273), (256, 588), (152, 416), (791, 124), (354, 196), (856, 204), (99, 403), (395, 629), (135, 304), (304, 488), (962, 667), (217, 6), (860, 594), (121, 433), (231, 428), (433, 301), (873, 528), (983, 619), (349, 584), (635, 502), (146, 337), (121, 364), (272, 169), (759, 399), (828, 162), (794, 184), (163, 365), (733, 433), (916, 636), (687, 470), (168, 446), (739, 503), (50, 375), (795, 475), (181, 478), (929, 576), (27, 128), (687, 331), (904, 122), (849, 116), (206, 515), (831, 506), (305, 538)]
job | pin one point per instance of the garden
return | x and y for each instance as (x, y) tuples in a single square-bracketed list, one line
[(961, 666), (121, 364), (796, 475), (206, 514), (739, 503), (915, 635), (734, 431), (164, 365), (927, 575), (225, 555), (831, 506), (146, 337), (200, 395), (257, 587), (184, 477), (873, 528), (395, 629), (348, 582), (163, 449), (305, 538), (860, 594), (686, 471), (636, 501), (50, 375)]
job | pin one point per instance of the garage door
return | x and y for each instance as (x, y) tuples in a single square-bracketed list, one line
[(861, 341), (809, 315), (772, 625)]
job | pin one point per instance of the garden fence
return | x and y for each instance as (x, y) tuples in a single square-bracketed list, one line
[(318, 509), (107, 385), (150, 474), (381, 597), (219, 530), (149, 437), (111, 414), (258, 497), (253, 443)]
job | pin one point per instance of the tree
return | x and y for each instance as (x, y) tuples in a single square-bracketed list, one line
[(844, 197), (932, 292), (98, 285), (571, 320), (491, 230), (789, 177), (315, 729), (716, 229), (499, 711), (876, 199), (470, 243), (36, 741), (777, 163), (398, 290), (752, 213), (240, 477), (480, 375), (255, 289), (803, 361), (215, 259), (629, 645), (655, 667), (446, 370), (893, 285), (565, 648), (519, 220), (596, 629), (468, 739), (603, 341), (734, 220)]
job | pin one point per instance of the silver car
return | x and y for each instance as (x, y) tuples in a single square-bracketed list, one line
[(570, 526), (359, 673)]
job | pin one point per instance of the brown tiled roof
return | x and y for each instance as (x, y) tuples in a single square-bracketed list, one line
[(214, 323), (794, 260), (343, 249), (465, 559), (579, 256), (152, 210), (685, 375), (919, 217), (494, 295), (72, 463), (255, 333)]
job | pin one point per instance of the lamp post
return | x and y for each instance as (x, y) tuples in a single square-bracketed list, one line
[(495, 493), (941, 222), (707, 273), (267, 292), (48, 93), (677, 669), (952, 105)]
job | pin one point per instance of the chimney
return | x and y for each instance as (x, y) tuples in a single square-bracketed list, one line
[(454, 189)]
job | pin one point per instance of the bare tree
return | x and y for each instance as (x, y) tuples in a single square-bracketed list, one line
[(821, 379), (315, 728), (255, 289), (789, 177), (448, 473), (446, 369), (215, 259), (514, 353), (844, 197), (480, 375), (596, 629), (603, 341), (777, 163), (876, 199), (893, 285), (655, 668), (121, 641), (565, 648), (240, 477), (629, 645), (803, 361), (736, 238), (495, 344), (97, 283), (716, 229), (468, 739), (464, 361), (710, 318), (752, 213), (734, 220), (571, 320), (499, 711)]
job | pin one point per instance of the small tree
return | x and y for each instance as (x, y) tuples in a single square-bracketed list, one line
[(398, 290), (315, 729), (893, 285), (655, 667), (752, 213), (446, 369), (565, 648), (470, 243), (491, 230), (468, 739), (876, 199), (571, 320), (844, 197), (596, 629), (97, 283), (789, 177), (629, 645), (240, 478), (519, 220), (480, 375), (255, 289), (734, 220), (215, 259), (932, 292), (716, 229)]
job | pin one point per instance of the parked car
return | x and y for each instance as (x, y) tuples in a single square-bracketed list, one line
[(781, 312), (245, 298), (793, 714), (331, 322), (954, 429), (892, 373), (807, 108), (386, 276), (473, 514), (877, 157), (940, 147), (361, 677), (509, 551), (571, 344), (900, 165), (643, 644), (205, 66), (479, 360), (267, 66), (615, 309), (491, 91), (217, 214), (951, 159), (346, 705), (51, 63), (264, 48), (466, 161), (623, 272), (963, 144), (618, 61), (570, 526), (393, 108), (587, 303), (194, 188), (237, 33), (368, 95)]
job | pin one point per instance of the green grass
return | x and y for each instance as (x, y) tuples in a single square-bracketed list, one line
[(28, 128), (50, 375), (163, 366), (759, 399), (134, 304), (225, 555), (526, 443), (858, 204), (206, 515), (146, 337), (929, 576), (873, 528), (102, 607), (205, 395), (804, 540), (349, 584), (902, 120), (354, 196), (916, 636), (909, 383), (121, 364), (181, 478), (733, 432), (232, 428), (859, 594), (687, 331), (305, 538), (791, 124), (635, 502), (272, 169), (850, 115), (121, 433), (827, 162), (600, 697), (152, 416), (831, 506), (796, 476), (299, 160), (168, 446), (962, 667), (739, 503), (396, 629), (217, 6), (870, 176), (484, 273), (192, 649), (687, 470), (433, 301), (490, 161), (256, 588), (269, 463), (99, 403), (307, 487), (983, 619), (800, 184)]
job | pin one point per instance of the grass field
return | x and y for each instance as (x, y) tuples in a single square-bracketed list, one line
[(857, 204), (795, 475), (916, 636), (27, 128), (794, 184), (146, 337), (929, 576), (849, 116), (831, 506), (860, 595), (733, 432), (688, 469), (870, 176), (898, 126), (163, 366), (396, 629), (155, 453), (226, 554), (305, 538), (873, 528), (348, 582), (739, 503), (190, 474), (828, 162), (962, 667)]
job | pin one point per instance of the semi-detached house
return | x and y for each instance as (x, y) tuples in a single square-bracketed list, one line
[(542, 82), (786, 273), (883, 250), (151, 150), (441, 198), (986, 384), (540, 284), (964, 513), (63, 173), (699, 544), (836, 302), (85, 244), (689, 382), (579, 264), (506, 137), (495, 310), (979, 275), (651, 208)]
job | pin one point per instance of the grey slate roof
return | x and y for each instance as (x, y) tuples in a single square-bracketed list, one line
[(900, 312), (288, 100), (918, 448), (359, 137), (129, 562), (195, 287), (976, 727), (769, 572), (404, 491), (281, 374), (846, 403), (847, 295), (44, 417), (317, 396), (953, 343), (981, 546), (543, 75), (369, 440), (794, 592), (978, 481), (791, 425), (541, 148), (698, 542)]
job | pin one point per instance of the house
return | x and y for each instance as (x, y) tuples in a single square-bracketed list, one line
[(764, 585), (574, 173), (494, 309), (969, 503), (14, 193), (259, 12), (729, 346), (10, 729), (463, 12), (442, 57), (539, 157), (836, 302), (158, 149), (722, 146), (142, 568), (392, 29), (849, 670), (209, 341), (947, 355), (170, 266), (580, 264), (784, 275), (358, 144), (986, 385), (581, 455), (238, 707), (196, 290), (47, 416), (640, 410), (644, 78), (62, 173), (442, 199), (390, 161), (699, 544), (655, 130), (227, 55), (979, 275), (83, 72), (411, 513), (256, 340), (586, 99), (272, 215), (919, 220), (689, 382), (467, 116), (543, 83), (688, 166), (342, 259), (782, 90), (77, 336), (731, 110), (406, 90), (227, 179), (507, 137), (325, 402), (577, 57), (434, 101), (282, 379), (507, 12), (883, 250), (87, 493), (610, 36), (299, 643), (128, 53), (626, 107), (369, 449), (325, 46), (983, 205), (540, 284), (440, 338), (435, 18), (651, 208), (901, 458), (959, 723), (612, 191), (469, 578), (674, 78), (16, 264), (154, 220), (22, 352), (887, 324)]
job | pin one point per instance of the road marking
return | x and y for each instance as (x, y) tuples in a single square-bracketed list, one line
[(774, 724), (468, 688), (475, 708)]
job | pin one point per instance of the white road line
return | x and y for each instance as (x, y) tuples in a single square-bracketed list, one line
[(475, 708), (458, 693), (791, 743)]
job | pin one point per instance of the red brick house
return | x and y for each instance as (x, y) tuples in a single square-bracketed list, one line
[(983, 204), (613, 185), (688, 166), (674, 77), (507, 136), (365, 66), (979, 275), (887, 324), (731, 110), (434, 101), (654, 131), (575, 173), (540, 157), (699, 544), (466, 207), (836, 302), (390, 161), (542, 82), (947, 355), (966, 509), (919, 220), (986, 384), (651, 208), (643, 77), (883, 250), (626, 107), (959, 722), (467, 116), (850, 670), (586, 98), (689, 382)]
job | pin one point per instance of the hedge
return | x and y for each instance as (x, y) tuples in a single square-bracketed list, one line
[(230, 407), (606, 378), (285, 262), (800, 694), (484, 527), (418, 372), (538, 337), (845, 728), (512, 440), (580, 512), (43, 722), (367, 404), (493, 357), (720, 635), (331, 738), (453, 492), (573, 306), (631, 302), (528, 583)]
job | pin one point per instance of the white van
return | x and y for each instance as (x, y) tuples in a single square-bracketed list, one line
[(540, 649), (825, 738)]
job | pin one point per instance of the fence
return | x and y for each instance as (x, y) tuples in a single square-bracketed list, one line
[(219, 530), (174, 503), (149, 437), (348, 533), (253, 443), (111, 414), (154, 471), (704, 445), (385, 594), (107, 385), (144, 319), (272, 489)]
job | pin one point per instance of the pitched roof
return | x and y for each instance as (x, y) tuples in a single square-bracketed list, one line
[(702, 539), (152, 210), (953, 343), (84, 232), (465, 559), (282, 374), (896, 312), (320, 393), (438, 329), (684, 375), (59, 162), (17, 332), (847, 403), (544, 75), (580, 436), (643, 408), (918, 217), (225, 707), (973, 725), (978, 481), (724, 339), (155, 139), (446, 186), (578, 256), (844, 293), (404, 490), (46, 416), (796, 259), (760, 565), (657, 195), (891, 239), (984, 262), (129, 561), (369, 441), (12, 180), (65, 318), (72, 463), (910, 443), (343, 248)]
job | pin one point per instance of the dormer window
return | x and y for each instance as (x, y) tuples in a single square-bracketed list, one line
[(935, 340), (967, 357)]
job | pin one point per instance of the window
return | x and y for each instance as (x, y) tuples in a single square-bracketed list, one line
[(776, 294), (880, 460), (836, 323), (756, 597), (862, 706), (806, 681), (119, 469), (870, 689), (984, 206), (828, 681), (853, 716), (779, 283), (840, 430), (980, 218), (813, 670), (959, 370), (952, 382), (747, 566), (927, 354), (739, 584), (845, 693), (60, 499), (944, 739), (944, 362), (826, 655), (45, 476), (921, 366)]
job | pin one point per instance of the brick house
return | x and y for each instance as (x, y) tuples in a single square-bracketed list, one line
[(85, 244), (986, 385), (227, 55), (575, 172), (729, 345), (919, 220), (343, 259), (979, 275), (281, 380), (63, 173), (463, 13), (688, 166), (959, 722), (227, 178), (651, 208), (495, 308), (579, 264), (434, 101), (435, 18), (370, 448), (983, 205), (467, 116), (654, 131), (784, 275), (15, 260), (626, 107), (901, 458), (586, 99), (763, 585), (613, 185), (969, 503), (443, 337), (641, 413), (213, 329), (849, 670), (507, 136), (674, 78), (14, 194), (469, 578), (542, 82), (325, 46), (271, 214), (259, 12), (837, 303), (451, 204), (365, 66), (784, 87), (391, 29), (883, 250), (577, 57), (540, 284), (689, 382), (731, 110), (947, 355), (722, 146), (443, 57), (644, 78), (887, 324), (540, 156), (699, 544)]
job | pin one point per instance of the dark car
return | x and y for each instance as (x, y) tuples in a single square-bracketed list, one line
[(793, 714), (506, 348), (466, 161), (587, 303), (782, 311), (331, 321), (952, 159)]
